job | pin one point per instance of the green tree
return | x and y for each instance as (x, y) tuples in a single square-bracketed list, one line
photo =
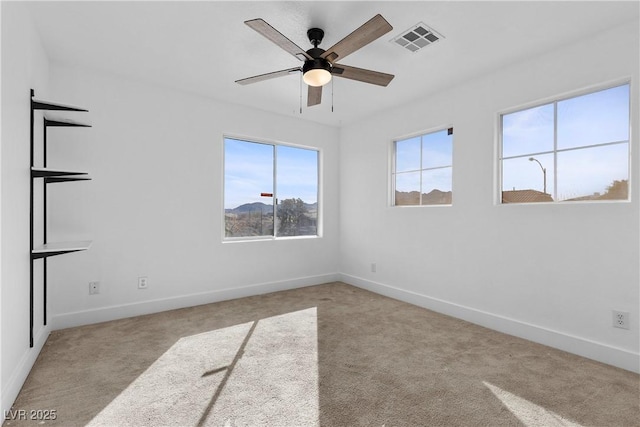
[(292, 214)]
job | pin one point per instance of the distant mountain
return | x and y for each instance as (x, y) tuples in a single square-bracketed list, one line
[(251, 207), (266, 208), (311, 206), (434, 197)]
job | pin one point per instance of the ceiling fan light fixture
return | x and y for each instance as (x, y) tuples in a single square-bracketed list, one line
[(319, 65), (316, 72)]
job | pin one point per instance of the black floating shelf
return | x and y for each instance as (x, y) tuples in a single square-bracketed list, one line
[(53, 249), (63, 123), (48, 173), (39, 104)]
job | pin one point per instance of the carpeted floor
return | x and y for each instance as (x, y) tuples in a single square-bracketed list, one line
[(328, 355)]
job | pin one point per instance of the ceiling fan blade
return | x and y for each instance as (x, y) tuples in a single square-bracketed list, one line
[(314, 96), (368, 32), (362, 75), (267, 76), (261, 26)]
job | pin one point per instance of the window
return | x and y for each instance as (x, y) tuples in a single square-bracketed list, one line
[(422, 172), (269, 190), (574, 149)]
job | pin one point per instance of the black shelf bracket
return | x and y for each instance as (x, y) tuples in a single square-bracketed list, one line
[(53, 180), (63, 123), (37, 104), (42, 255)]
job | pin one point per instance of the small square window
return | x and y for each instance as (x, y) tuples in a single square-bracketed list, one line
[(423, 168)]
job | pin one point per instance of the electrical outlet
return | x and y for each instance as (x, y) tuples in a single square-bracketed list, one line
[(143, 282), (94, 288), (620, 319), (373, 267)]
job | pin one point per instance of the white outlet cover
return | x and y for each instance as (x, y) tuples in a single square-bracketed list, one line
[(94, 288), (621, 319)]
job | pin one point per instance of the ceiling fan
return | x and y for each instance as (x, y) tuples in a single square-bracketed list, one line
[(319, 64)]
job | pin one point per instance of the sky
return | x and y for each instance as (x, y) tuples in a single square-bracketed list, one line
[(249, 171)]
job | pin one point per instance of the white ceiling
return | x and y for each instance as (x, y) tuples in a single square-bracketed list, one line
[(204, 46)]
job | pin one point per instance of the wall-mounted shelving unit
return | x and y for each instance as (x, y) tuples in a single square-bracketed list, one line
[(49, 176)]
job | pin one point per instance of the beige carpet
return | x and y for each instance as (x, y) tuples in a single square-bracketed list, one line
[(262, 373), (328, 355)]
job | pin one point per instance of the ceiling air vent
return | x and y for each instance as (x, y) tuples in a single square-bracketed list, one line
[(417, 37)]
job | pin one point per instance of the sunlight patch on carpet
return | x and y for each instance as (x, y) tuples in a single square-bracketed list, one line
[(530, 414), (255, 373), (275, 382)]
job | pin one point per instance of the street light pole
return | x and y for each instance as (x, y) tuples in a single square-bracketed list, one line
[(544, 172)]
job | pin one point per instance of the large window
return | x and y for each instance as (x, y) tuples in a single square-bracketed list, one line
[(574, 149), (269, 190), (422, 171)]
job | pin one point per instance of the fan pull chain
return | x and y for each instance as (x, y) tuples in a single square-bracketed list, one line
[(332, 95), (300, 93)]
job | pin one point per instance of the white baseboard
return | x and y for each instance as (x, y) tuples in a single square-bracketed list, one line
[(104, 314), (21, 371), (604, 353)]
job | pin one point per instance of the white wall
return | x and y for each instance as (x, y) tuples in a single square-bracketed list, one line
[(24, 66), (549, 273), (154, 205)]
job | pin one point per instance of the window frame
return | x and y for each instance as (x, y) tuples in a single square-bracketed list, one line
[(274, 198), (392, 166), (555, 100)]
